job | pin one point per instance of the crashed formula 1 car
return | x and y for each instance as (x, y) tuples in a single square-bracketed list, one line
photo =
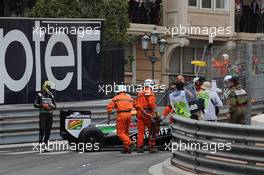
[(80, 127)]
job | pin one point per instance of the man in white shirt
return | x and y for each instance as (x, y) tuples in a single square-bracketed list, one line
[(211, 100)]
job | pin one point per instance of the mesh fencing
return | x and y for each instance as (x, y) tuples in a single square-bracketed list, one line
[(233, 63), (258, 72), (246, 61), (238, 65)]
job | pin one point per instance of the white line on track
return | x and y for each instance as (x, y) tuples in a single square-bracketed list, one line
[(96, 153), (55, 153), (133, 162), (21, 152), (32, 152), (132, 154)]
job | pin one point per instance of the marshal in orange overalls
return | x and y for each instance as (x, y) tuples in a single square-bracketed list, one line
[(222, 65), (123, 104), (166, 111), (145, 104)]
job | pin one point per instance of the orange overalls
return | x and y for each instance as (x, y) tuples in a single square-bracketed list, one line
[(146, 101), (123, 104), (222, 66), (166, 111)]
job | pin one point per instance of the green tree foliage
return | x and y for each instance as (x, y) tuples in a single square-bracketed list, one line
[(113, 11)]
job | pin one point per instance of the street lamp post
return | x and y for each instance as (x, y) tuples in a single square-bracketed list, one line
[(154, 40)]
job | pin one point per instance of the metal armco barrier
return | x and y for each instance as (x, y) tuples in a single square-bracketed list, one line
[(246, 156), (20, 123)]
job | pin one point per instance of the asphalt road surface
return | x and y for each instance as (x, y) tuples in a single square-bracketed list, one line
[(25, 161)]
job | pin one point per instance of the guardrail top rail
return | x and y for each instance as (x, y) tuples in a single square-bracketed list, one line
[(217, 148), (20, 123)]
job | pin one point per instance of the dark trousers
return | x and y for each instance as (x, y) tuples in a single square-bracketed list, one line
[(194, 117), (238, 118), (45, 124)]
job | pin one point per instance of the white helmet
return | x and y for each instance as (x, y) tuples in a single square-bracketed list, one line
[(225, 56), (120, 88), (149, 82), (227, 78), (195, 79)]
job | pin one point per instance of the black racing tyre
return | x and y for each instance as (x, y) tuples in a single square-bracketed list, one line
[(92, 139)]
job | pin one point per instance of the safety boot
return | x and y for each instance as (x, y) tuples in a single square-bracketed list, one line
[(153, 150), (132, 146), (125, 151), (128, 149), (140, 150)]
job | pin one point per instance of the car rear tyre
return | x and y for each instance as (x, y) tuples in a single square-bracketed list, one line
[(92, 139)]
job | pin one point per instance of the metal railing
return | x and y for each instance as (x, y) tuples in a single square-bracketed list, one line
[(244, 156), (20, 123)]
